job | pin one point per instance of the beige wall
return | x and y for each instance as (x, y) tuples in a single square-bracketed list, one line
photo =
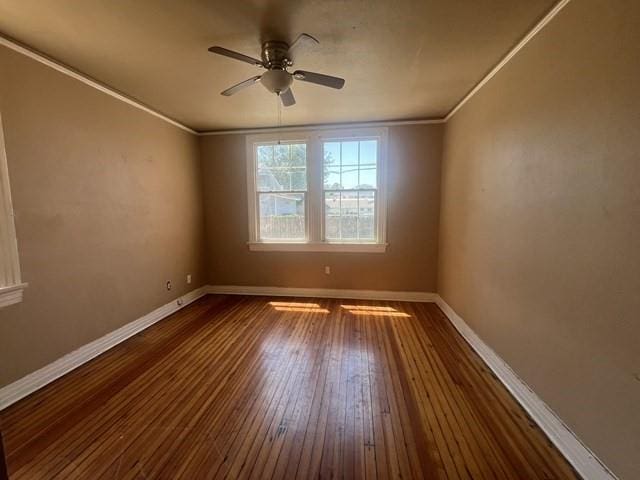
[(108, 207), (412, 229), (540, 230)]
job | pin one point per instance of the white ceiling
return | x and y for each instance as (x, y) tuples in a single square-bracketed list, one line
[(411, 59)]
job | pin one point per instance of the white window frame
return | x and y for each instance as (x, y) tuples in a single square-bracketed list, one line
[(314, 198), (11, 285)]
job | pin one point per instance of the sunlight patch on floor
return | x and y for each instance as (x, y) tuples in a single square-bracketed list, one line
[(298, 307), (374, 311), (294, 304), (301, 309)]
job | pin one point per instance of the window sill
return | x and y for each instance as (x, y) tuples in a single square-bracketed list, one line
[(318, 247), (11, 295)]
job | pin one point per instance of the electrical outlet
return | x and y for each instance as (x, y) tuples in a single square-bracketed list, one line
[(168, 284), (327, 270), (189, 278)]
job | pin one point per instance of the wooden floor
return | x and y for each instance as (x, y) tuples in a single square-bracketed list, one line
[(238, 387)]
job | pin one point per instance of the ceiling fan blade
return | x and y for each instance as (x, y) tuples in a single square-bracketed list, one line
[(303, 38), (319, 79), (287, 98), (235, 55), (239, 86)]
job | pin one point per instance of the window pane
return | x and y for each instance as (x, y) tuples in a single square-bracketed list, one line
[(366, 215), (332, 215), (349, 215), (366, 228), (281, 167), (332, 203), (282, 216), (299, 179), (332, 178), (332, 153), (350, 153), (264, 155), (368, 176), (349, 176), (349, 228), (331, 165), (281, 154), (368, 152), (299, 154), (267, 181), (349, 203), (366, 203)]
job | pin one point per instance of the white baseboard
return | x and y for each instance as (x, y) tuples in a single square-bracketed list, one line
[(579, 456), (38, 379), (324, 293)]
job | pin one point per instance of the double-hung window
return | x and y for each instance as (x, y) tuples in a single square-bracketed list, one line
[(317, 190), (281, 177)]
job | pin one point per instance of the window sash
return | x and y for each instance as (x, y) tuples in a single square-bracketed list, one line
[(359, 166), (374, 215), (306, 216)]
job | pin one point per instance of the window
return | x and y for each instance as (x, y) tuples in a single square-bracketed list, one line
[(10, 284), (350, 181), (281, 173), (317, 190)]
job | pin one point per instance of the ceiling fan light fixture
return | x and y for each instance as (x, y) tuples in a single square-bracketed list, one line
[(276, 81)]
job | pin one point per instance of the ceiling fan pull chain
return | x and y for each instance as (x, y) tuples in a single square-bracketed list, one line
[(279, 116)]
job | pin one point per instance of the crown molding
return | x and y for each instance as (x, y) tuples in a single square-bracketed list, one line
[(519, 46), (322, 126), (62, 68)]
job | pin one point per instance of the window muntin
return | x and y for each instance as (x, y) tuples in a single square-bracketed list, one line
[(350, 179), (281, 175)]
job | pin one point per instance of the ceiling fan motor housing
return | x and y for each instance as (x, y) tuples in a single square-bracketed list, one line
[(276, 55)]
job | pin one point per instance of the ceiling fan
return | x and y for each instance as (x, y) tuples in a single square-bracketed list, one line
[(276, 59)]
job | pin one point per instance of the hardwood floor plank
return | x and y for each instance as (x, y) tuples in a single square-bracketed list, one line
[(257, 387)]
